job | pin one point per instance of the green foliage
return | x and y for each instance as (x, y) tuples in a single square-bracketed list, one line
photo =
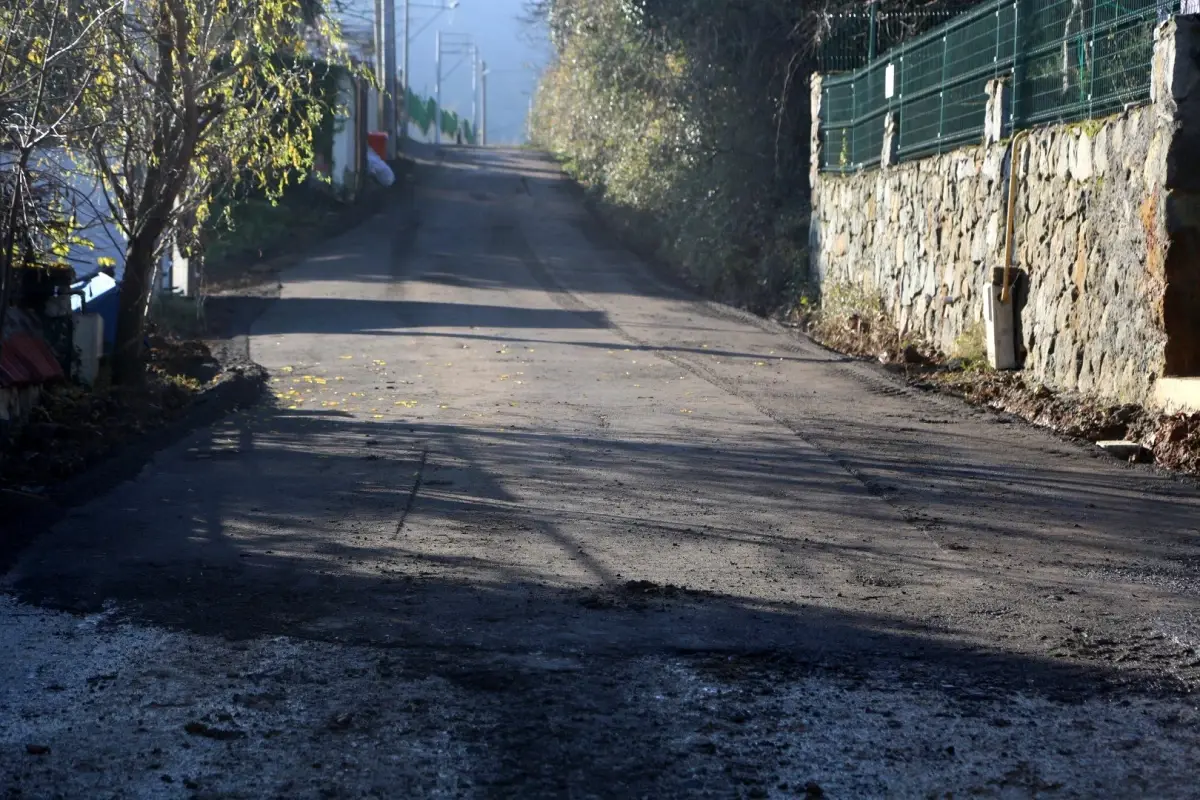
[(250, 228), (177, 315), (172, 127), (195, 100), (691, 120), (324, 84)]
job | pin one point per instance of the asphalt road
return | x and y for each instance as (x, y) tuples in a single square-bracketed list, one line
[(526, 520)]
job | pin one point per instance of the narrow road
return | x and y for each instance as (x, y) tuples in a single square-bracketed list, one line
[(526, 520)]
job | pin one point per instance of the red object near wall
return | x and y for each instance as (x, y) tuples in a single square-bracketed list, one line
[(26, 360), (378, 142)]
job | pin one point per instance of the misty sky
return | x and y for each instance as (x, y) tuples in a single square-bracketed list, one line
[(505, 42)]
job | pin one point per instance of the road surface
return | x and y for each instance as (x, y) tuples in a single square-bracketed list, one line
[(524, 519)]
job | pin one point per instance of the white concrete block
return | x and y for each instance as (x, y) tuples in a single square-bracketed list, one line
[(1176, 395), (89, 342), (1000, 328), (1122, 449)]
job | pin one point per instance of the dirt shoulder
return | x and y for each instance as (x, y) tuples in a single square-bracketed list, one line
[(1169, 441)]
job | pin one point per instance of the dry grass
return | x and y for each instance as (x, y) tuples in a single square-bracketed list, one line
[(852, 320)]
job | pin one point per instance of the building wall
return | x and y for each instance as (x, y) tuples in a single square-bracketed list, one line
[(349, 138)]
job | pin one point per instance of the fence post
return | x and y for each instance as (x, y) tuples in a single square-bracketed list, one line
[(1018, 67), (818, 105), (874, 31), (1091, 63), (997, 100), (887, 154), (942, 91), (898, 100), (853, 123)]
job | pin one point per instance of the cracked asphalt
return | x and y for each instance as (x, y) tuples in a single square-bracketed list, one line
[(523, 518)]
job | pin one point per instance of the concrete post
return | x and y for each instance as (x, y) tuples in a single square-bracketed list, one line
[(437, 125), (889, 155), (998, 101), (816, 96), (999, 325)]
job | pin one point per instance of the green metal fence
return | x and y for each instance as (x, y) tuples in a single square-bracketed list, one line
[(1068, 60), (850, 38)]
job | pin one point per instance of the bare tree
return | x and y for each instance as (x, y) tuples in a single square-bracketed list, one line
[(196, 96)]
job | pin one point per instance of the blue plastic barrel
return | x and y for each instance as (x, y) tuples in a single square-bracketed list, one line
[(98, 295)]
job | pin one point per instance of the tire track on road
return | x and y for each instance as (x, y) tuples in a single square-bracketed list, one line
[(569, 300)]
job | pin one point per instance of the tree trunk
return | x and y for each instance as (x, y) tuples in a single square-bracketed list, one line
[(137, 287)]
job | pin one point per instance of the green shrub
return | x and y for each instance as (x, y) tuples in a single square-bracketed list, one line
[(971, 347), (692, 119)]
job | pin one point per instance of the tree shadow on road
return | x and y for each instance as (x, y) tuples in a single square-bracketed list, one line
[(319, 526)]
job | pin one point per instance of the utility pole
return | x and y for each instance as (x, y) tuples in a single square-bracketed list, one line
[(483, 73), (475, 89), (389, 71), (404, 99), (437, 98), (380, 73)]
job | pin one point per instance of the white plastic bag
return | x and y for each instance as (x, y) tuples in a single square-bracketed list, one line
[(379, 170)]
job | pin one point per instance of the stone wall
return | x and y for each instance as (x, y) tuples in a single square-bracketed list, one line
[(1105, 235)]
